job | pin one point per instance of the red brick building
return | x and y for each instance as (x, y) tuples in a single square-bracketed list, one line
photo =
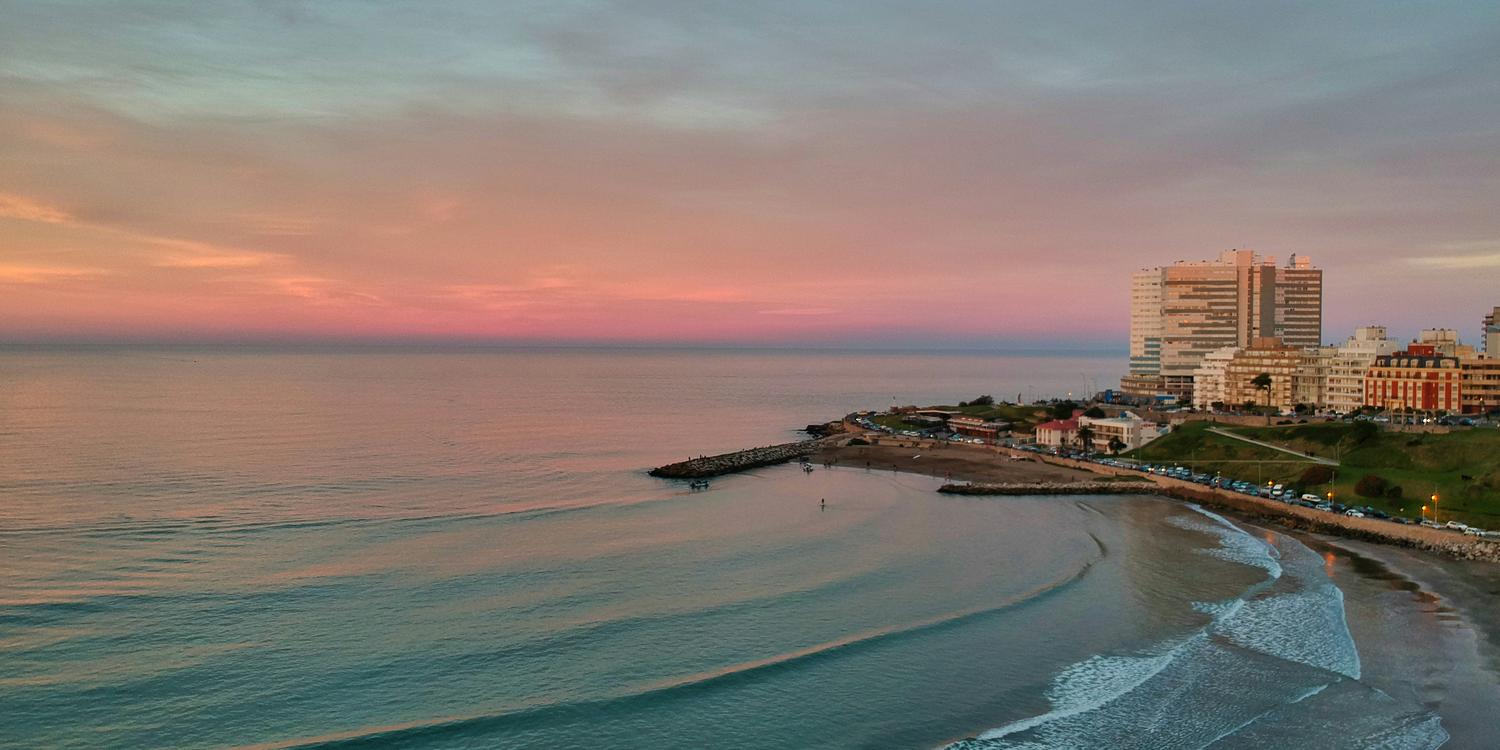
[(1417, 378)]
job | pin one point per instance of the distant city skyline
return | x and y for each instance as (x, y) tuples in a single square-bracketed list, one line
[(848, 175)]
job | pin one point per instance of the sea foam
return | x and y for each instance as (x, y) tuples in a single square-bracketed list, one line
[(1172, 695)]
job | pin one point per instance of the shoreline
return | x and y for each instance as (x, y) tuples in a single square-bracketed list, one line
[(1427, 626), (1000, 465)]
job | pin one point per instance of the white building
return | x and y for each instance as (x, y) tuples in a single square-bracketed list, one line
[(1057, 433), (1128, 428), (1310, 381), (1345, 391), (1208, 379)]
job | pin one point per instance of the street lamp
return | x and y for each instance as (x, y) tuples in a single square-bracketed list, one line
[(1434, 507), (1424, 513)]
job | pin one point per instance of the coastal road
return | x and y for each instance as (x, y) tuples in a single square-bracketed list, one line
[(1314, 459)]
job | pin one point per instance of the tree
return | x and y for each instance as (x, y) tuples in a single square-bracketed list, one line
[(1370, 485), (1094, 412), (1218, 406), (1363, 432), (1116, 444), (1064, 409), (985, 400), (1262, 382), (1316, 474), (1086, 437)]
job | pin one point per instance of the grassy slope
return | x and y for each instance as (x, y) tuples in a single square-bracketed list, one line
[(1419, 463), (1023, 418), (1192, 445)]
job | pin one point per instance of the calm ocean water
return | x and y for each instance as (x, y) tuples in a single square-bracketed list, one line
[(460, 549)]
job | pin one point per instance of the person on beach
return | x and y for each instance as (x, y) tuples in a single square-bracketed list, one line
[(822, 503)]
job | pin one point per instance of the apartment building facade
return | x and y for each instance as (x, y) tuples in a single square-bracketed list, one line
[(1181, 312), (1418, 377), (1481, 384), (1267, 355), (1208, 379), (1345, 389)]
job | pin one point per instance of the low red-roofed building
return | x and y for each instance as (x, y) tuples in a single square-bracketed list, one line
[(1058, 432)]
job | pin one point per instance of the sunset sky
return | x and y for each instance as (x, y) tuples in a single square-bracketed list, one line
[(866, 173)]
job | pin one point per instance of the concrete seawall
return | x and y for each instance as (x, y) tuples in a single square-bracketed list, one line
[(1052, 488), (728, 463)]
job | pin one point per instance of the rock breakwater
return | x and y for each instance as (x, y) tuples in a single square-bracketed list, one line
[(728, 463)]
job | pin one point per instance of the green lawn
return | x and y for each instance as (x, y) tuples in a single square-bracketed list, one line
[(1023, 418), (896, 422), (1193, 446), (1420, 464)]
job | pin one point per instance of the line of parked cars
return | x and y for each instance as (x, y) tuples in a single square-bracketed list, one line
[(931, 434), (1284, 493)]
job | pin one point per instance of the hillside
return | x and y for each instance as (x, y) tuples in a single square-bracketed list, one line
[(1462, 467)]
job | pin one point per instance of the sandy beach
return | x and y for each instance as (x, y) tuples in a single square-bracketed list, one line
[(960, 462), (1427, 625)]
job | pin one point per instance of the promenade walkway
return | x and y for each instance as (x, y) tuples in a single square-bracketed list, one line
[(1253, 441)]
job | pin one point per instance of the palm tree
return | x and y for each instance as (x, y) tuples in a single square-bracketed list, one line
[(1263, 383), (1116, 445), (1086, 437)]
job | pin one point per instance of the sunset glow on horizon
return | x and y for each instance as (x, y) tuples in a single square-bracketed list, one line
[(776, 174)]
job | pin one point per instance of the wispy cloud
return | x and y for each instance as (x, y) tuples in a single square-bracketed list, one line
[(14, 206), (192, 254), (29, 274), (1488, 256)]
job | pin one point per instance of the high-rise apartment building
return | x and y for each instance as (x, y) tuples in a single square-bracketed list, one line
[(1491, 341), (1180, 313)]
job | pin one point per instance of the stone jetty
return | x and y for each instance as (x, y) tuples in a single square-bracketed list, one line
[(1052, 488), (728, 463)]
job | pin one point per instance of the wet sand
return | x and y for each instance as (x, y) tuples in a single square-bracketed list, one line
[(1427, 629), (1427, 625)]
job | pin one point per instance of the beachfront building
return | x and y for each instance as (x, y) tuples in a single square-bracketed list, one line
[(1345, 389), (1444, 341), (1144, 378), (1481, 384), (1492, 333), (1264, 355), (1127, 428), (1310, 381), (1418, 378), (1208, 378), (1057, 433), (978, 427), (1180, 313)]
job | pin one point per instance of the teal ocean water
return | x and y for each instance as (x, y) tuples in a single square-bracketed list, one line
[(460, 549)]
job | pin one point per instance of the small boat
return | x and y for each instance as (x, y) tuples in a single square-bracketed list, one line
[(807, 468), (699, 484)]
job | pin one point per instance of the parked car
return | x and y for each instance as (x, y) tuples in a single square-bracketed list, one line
[(1353, 513)]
